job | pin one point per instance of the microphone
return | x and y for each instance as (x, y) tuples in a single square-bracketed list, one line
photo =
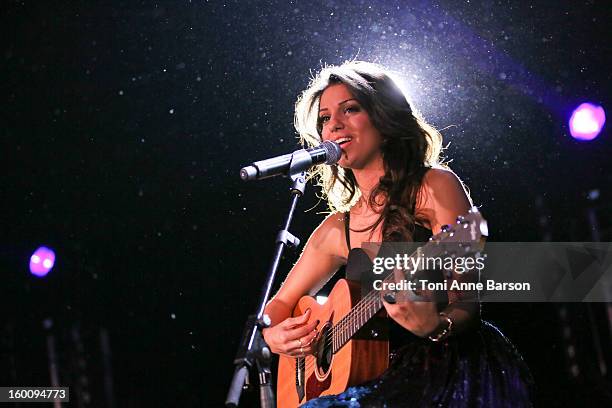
[(290, 164)]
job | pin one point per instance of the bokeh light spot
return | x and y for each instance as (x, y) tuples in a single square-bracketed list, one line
[(586, 121), (42, 261)]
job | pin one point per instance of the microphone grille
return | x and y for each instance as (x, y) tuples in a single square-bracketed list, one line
[(332, 151)]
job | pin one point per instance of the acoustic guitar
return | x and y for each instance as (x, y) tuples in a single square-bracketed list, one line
[(350, 348)]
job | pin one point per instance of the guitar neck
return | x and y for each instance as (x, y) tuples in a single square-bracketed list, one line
[(464, 238), (363, 311)]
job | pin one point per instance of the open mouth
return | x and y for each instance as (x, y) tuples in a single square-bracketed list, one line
[(343, 140)]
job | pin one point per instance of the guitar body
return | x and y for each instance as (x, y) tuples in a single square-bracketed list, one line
[(361, 358), (352, 345)]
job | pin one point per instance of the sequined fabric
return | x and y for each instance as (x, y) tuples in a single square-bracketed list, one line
[(480, 368)]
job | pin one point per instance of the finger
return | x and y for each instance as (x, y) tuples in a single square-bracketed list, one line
[(393, 310), (310, 338), (298, 320), (389, 307), (308, 351), (390, 297), (301, 351), (313, 324), (403, 296), (301, 331), (305, 342)]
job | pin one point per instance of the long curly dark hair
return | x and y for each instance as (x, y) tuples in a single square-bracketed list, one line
[(409, 144)]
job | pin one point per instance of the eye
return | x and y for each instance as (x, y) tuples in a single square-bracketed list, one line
[(325, 118)]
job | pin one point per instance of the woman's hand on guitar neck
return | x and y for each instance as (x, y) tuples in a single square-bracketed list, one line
[(293, 336), (421, 318)]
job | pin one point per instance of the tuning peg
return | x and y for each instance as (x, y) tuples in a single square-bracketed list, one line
[(445, 228), (460, 219)]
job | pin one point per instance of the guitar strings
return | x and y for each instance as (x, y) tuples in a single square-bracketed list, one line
[(339, 330), (352, 320), (339, 333), (348, 321)]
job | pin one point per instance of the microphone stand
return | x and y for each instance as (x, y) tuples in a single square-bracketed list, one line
[(252, 349)]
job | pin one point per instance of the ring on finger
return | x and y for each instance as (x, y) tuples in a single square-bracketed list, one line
[(301, 350), (300, 342)]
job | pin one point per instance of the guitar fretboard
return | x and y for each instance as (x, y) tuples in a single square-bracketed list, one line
[(465, 237), (354, 320)]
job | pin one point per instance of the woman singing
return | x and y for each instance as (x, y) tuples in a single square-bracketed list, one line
[(390, 186)]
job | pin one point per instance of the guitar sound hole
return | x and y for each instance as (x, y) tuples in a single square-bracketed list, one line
[(324, 349)]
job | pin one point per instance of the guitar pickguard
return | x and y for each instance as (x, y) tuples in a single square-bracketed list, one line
[(300, 371)]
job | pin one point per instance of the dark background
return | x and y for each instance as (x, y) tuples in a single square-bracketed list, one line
[(124, 125)]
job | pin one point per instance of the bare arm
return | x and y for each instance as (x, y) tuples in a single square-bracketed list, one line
[(445, 200), (319, 260), (441, 200)]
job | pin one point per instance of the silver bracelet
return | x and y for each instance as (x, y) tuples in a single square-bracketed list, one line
[(444, 333)]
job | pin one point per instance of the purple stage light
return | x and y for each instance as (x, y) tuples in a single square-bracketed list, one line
[(41, 261), (587, 121)]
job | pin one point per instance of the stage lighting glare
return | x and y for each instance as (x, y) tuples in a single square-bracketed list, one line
[(587, 121), (42, 261)]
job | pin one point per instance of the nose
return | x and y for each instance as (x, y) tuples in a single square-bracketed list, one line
[(334, 123)]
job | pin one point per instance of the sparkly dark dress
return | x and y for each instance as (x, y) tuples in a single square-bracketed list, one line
[(476, 368)]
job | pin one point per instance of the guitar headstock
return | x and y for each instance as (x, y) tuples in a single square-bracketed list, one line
[(466, 236)]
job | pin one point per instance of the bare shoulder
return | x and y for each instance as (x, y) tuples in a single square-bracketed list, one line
[(439, 177), (442, 198), (329, 235), (441, 182)]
